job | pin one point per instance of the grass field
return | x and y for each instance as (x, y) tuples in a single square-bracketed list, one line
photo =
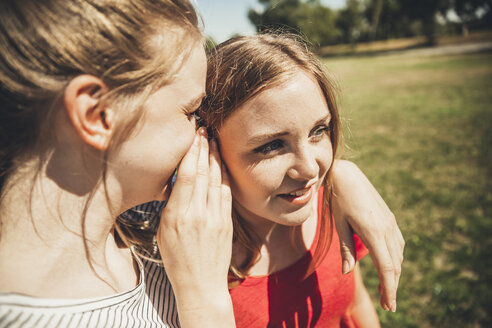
[(421, 130)]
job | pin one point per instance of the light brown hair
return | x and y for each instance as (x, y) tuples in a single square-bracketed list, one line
[(238, 70), (133, 46)]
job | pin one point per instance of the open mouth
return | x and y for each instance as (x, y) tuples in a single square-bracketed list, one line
[(298, 197)]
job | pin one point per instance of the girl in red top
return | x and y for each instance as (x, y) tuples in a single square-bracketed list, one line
[(273, 111)]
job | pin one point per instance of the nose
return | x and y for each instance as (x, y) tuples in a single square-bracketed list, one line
[(304, 165)]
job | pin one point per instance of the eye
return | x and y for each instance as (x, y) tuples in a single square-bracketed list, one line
[(191, 111), (269, 147), (195, 116), (320, 131)]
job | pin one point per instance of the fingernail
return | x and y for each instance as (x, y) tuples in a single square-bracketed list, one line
[(202, 131), (393, 306), (345, 267)]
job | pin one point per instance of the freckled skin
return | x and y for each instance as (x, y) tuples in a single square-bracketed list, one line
[(300, 155), (165, 135)]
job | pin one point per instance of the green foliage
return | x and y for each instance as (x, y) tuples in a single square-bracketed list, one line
[(210, 43), (311, 19), (474, 13), (467, 9), (425, 11), (349, 22), (388, 20), (277, 14), (318, 24), (367, 20), (420, 129)]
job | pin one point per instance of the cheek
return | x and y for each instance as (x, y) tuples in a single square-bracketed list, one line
[(325, 158), (256, 181), (178, 141)]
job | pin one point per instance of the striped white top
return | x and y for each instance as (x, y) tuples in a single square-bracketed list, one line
[(150, 304)]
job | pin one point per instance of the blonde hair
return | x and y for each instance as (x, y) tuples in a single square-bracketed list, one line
[(133, 46), (238, 70)]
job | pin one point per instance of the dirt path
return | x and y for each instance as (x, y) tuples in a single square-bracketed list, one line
[(451, 49)]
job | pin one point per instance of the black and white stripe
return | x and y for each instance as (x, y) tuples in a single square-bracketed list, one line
[(150, 304)]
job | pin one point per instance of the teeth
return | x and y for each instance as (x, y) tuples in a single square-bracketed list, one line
[(298, 193)]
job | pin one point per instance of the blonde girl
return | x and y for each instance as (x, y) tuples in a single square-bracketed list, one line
[(96, 111)]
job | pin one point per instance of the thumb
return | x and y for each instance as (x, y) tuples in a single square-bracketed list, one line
[(347, 245)]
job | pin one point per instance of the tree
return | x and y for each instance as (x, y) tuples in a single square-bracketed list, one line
[(376, 6), (277, 14), (473, 11), (318, 24), (425, 11), (308, 18), (349, 22), (390, 20)]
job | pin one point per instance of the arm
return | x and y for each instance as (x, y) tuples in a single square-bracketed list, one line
[(358, 206), (195, 239), (363, 310)]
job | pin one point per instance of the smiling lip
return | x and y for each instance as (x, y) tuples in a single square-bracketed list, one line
[(299, 196)]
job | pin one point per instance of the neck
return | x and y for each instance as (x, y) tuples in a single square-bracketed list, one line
[(51, 236), (39, 204), (279, 245)]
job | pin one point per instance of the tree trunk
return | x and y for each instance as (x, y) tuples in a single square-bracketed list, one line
[(378, 6), (430, 28)]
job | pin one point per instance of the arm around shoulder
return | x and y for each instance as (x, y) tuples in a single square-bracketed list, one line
[(358, 207)]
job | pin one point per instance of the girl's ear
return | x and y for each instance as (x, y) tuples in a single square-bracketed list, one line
[(89, 116)]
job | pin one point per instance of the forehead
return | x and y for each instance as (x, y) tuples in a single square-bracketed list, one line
[(192, 73), (297, 102), (185, 89)]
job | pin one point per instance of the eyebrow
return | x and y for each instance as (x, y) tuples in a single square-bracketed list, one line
[(195, 102), (325, 118), (269, 136), (263, 137)]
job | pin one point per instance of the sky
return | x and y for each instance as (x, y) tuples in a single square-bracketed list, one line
[(223, 18)]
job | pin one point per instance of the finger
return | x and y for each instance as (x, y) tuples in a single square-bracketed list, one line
[(183, 188), (226, 196), (396, 249), (201, 185), (386, 272), (401, 240), (214, 181), (397, 256), (347, 245), (395, 245)]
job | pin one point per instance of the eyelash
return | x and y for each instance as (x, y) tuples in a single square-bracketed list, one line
[(317, 134), (269, 147), (321, 128), (193, 115)]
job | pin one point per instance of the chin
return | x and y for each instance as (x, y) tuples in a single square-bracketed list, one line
[(295, 218)]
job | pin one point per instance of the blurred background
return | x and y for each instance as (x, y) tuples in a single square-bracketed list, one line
[(416, 93)]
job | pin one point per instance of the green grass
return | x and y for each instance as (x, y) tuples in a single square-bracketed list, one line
[(421, 130)]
